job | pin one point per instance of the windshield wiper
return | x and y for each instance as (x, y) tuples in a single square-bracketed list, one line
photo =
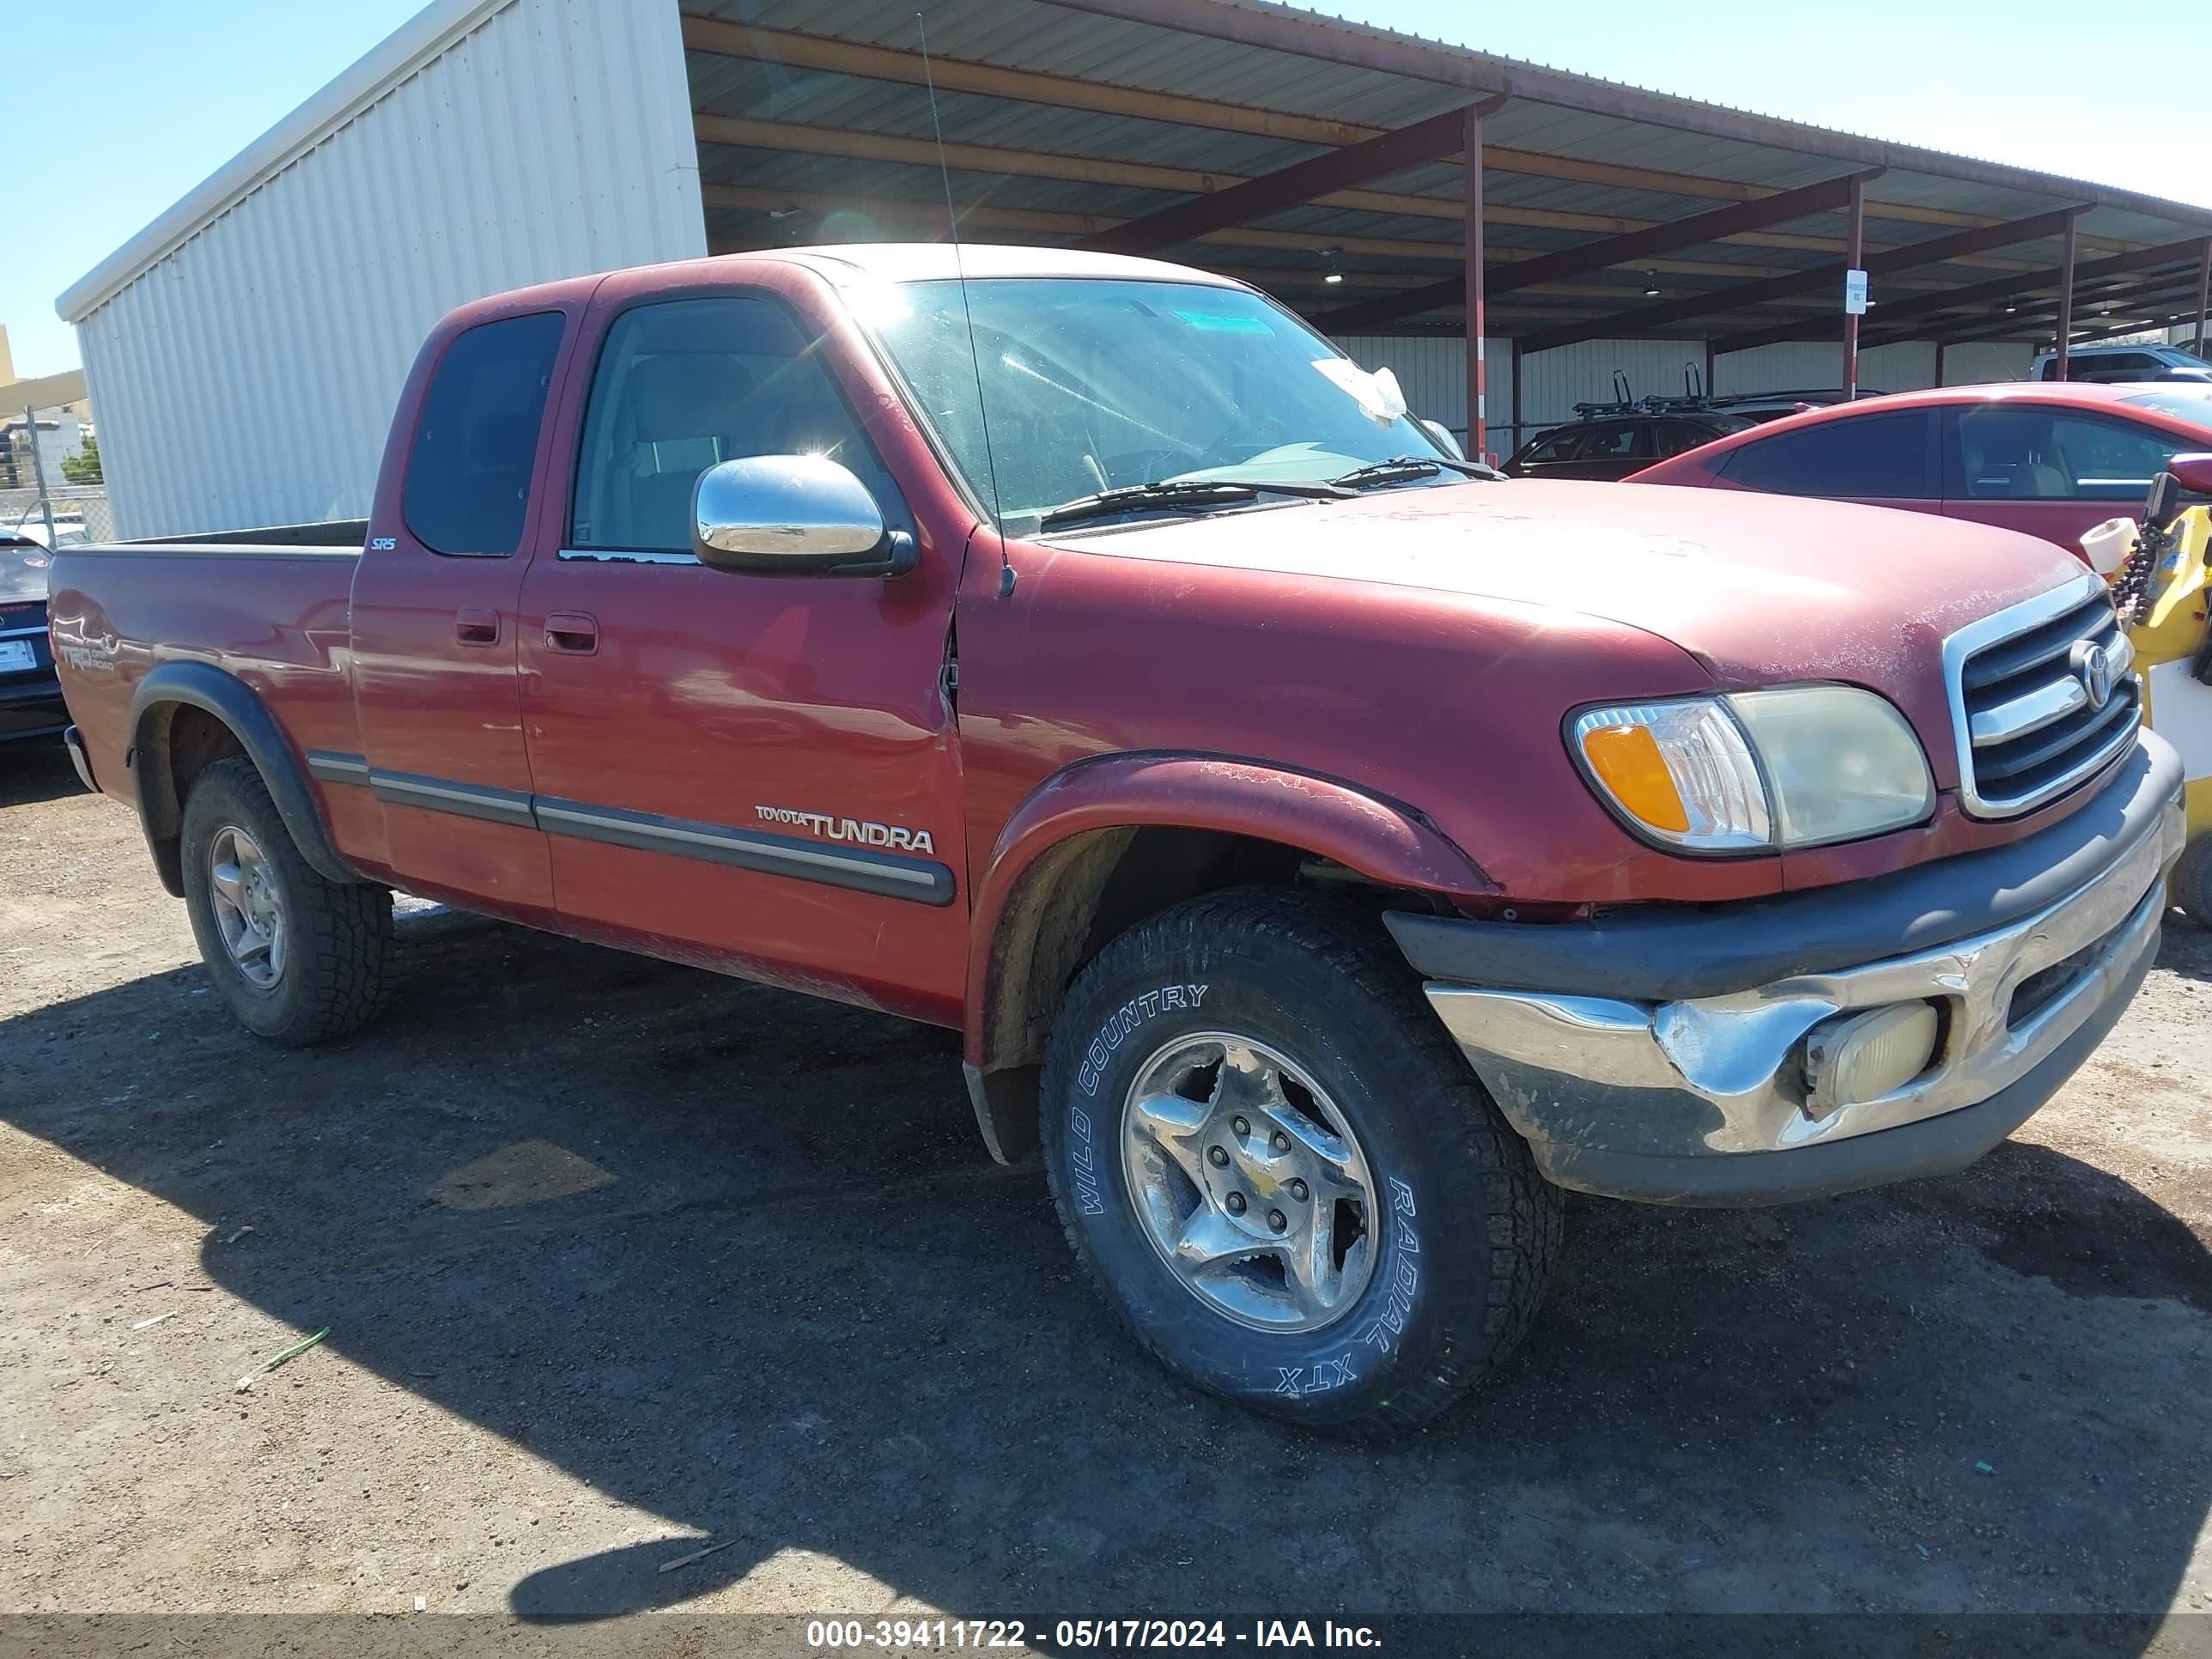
[(1181, 492), (1404, 469)]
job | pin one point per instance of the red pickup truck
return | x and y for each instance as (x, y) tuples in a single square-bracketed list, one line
[(1329, 850)]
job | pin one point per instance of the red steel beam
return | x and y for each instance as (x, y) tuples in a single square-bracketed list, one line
[(2065, 295), (2161, 294), (1301, 181), (2203, 290), (1856, 252), (1478, 427), (1624, 249), (1932, 251), (2043, 313), (2002, 288)]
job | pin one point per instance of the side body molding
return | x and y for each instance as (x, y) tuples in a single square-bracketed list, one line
[(237, 706), (1036, 900)]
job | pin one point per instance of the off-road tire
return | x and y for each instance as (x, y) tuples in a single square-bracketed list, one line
[(2190, 884), (1473, 1229), (339, 935)]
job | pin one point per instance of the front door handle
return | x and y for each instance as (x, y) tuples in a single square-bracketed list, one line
[(473, 626), (575, 632)]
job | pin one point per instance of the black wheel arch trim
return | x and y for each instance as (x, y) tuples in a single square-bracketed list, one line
[(217, 691)]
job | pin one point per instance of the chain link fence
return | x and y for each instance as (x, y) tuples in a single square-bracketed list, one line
[(80, 511)]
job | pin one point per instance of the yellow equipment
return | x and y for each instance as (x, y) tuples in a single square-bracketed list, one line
[(2164, 591)]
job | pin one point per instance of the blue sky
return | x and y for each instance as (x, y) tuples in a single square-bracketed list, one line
[(136, 100)]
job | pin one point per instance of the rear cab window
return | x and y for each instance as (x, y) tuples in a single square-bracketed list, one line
[(474, 454)]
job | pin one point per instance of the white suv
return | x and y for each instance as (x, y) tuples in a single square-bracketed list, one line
[(2107, 364)]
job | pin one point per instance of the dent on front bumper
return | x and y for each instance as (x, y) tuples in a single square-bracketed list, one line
[(1702, 1099)]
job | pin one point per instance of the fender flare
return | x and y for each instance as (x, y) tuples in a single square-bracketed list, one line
[(1088, 810), (203, 686)]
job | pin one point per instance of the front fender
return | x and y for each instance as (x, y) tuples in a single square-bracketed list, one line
[(237, 706), (1074, 816)]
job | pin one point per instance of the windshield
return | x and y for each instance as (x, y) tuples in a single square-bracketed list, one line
[(1096, 384), (2184, 403)]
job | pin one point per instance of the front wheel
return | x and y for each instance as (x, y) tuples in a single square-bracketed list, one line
[(298, 958), (1281, 1174)]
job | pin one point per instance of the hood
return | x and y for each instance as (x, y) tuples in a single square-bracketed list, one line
[(1760, 588)]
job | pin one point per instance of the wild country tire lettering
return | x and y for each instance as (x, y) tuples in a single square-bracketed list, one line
[(1118, 1023)]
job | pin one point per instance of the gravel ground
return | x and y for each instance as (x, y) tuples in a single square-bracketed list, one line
[(619, 1259)]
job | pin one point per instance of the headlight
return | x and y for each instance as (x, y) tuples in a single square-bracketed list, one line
[(1800, 767)]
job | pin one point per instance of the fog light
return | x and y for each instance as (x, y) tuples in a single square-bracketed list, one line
[(1858, 1057)]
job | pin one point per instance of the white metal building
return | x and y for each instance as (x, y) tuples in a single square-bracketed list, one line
[(246, 348)]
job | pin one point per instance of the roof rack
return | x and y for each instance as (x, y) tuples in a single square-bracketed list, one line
[(1693, 398)]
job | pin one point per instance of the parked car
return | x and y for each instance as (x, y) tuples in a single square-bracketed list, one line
[(1327, 854), (30, 696), (2052, 461), (32, 528), (1613, 446), (2106, 365)]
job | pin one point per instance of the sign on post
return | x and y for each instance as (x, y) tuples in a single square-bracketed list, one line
[(1855, 292)]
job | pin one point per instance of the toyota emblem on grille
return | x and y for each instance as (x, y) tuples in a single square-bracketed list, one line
[(2088, 662)]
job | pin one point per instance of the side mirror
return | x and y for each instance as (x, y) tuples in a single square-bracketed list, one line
[(2192, 472), (792, 515), (1445, 441), (2185, 475)]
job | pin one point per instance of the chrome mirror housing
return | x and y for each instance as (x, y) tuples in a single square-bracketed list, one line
[(792, 515)]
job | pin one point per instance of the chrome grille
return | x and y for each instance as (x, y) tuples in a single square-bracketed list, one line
[(2023, 698)]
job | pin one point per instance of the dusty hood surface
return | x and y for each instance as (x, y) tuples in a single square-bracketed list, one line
[(1761, 588)]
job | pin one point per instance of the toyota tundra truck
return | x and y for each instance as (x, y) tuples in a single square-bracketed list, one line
[(1329, 849)]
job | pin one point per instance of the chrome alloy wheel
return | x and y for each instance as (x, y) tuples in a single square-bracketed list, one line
[(249, 912), (1249, 1182)]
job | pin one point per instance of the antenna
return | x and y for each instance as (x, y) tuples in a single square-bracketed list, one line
[(960, 271)]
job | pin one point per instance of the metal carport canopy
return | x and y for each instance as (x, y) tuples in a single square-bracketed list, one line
[(1287, 148)]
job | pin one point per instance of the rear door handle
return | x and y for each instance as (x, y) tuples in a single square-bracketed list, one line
[(576, 632), (473, 626)]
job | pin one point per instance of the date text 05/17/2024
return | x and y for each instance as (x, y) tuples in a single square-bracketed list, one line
[(1014, 1635)]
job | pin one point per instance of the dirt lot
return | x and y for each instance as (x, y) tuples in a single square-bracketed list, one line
[(618, 1257)]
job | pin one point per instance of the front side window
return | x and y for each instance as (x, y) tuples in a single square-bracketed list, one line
[(1091, 384), (685, 384), (1875, 455), (2017, 452), (476, 440), (1553, 446)]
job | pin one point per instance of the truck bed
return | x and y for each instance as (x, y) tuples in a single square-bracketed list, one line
[(267, 604)]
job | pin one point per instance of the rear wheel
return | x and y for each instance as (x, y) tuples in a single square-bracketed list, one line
[(297, 957), (1280, 1171)]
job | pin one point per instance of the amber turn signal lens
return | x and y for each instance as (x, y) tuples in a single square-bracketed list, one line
[(1627, 761)]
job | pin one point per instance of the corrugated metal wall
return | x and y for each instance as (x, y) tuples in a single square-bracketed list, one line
[(1982, 360), (247, 376), (1433, 372)]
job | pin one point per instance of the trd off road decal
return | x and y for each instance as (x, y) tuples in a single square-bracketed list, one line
[(1383, 1332), (1118, 1023)]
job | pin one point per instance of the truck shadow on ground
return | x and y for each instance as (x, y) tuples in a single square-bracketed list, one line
[(736, 1258), (36, 770)]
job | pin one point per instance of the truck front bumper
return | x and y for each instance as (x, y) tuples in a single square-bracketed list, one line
[(1662, 1055)]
